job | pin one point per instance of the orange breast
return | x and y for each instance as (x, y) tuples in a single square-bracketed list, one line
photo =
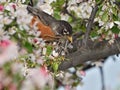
[(46, 31)]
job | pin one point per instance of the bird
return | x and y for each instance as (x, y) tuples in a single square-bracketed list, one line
[(51, 29)]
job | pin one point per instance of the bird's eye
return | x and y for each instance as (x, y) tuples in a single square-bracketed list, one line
[(65, 32)]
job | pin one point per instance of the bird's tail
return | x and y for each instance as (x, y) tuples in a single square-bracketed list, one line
[(32, 7), (32, 10), (43, 16), (33, 3), (30, 3)]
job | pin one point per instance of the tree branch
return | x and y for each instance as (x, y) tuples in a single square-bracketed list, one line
[(65, 11), (102, 78), (99, 51), (117, 3), (90, 23), (77, 35)]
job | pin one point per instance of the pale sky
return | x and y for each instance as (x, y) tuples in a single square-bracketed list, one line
[(92, 80)]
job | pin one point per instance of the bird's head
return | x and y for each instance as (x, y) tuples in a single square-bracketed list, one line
[(66, 30)]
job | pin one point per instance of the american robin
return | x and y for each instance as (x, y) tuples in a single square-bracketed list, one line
[(50, 28)]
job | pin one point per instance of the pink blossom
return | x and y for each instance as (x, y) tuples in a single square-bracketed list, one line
[(4, 43), (67, 87), (1, 86), (1, 7), (12, 87), (43, 71), (42, 79), (4, 79), (8, 51)]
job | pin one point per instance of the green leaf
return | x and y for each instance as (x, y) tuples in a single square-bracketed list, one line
[(115, 17), (98, 1), (28, 46), (30, 63), (70, 19), (118, 0), (72, 12), (53, 4), (49, 50), (17, 77), (105, 17), (7, 68), (114, 10), (115, 29), (57, 15), (94, 34), (60, 2), (55, 67)]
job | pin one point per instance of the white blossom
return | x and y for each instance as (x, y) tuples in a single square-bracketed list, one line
[(6, 20), (44, 51), (23, 19), (43, 78), (47, 8), (12, 30), (10, 8), (109, 25), (27, 85), (117, 22), (82, 11), (2, 1), (9, 51), (32, 57), (54, 53)]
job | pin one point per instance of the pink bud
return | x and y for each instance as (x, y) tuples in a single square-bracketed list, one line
[(4, 43), (1, 7), (35, 40), (14, 6), (103, 36), (82, 73), (116, 36)]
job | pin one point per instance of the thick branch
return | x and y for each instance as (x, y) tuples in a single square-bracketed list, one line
[(102, 50)]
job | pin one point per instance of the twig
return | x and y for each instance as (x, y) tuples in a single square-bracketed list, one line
[(117, 3), (65, 11), (90, 23), (31, 3), (102, 77), (77, 35)]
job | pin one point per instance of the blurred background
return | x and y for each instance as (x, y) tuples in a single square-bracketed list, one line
[(111, 71)]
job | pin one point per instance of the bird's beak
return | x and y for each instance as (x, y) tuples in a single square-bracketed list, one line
[(70, 38)]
